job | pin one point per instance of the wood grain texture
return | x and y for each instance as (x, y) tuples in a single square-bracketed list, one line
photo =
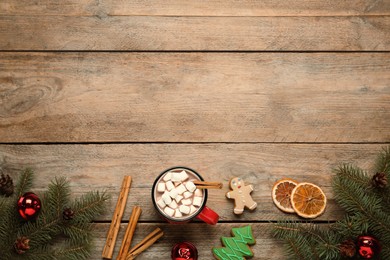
[(102, 167), (203, 236), (196, 8), (282, 109), (366, 33), (194, 97)]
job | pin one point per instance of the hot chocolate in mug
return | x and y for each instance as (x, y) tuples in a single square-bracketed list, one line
[(177, 199)]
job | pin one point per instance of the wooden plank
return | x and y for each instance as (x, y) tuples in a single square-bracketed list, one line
[(194, 97), (102, 167), (196, 8), (104, 32), (204, 237)]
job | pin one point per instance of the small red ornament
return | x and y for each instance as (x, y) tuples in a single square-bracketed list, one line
[(29, 206), (368, 247), (184, 251)]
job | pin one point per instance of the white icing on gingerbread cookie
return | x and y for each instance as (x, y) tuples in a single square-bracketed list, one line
[(241, 195)]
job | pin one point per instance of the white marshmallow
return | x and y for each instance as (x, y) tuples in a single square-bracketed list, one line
[(161, 203), (173, 205), (169, 185), (167, 176), (197, 201), (173, 193), (161, 187), (178, 214), (186, 202), (176, 176), (198, 193), (190, 186), (169, 211), (184, 209), (181, 189), (187, 194), (183, 176), (178, 198), (166, 198), (192, 209)]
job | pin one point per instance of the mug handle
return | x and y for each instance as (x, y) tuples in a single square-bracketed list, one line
[(208, 215)]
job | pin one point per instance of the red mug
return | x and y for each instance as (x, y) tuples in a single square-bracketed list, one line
[(201, 212)]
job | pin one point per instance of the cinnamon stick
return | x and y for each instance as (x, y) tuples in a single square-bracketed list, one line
[(123, 251), (208, 185), (112, 233), (145, 244)]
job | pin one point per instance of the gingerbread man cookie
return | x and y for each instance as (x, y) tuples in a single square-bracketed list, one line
[(241, 195)]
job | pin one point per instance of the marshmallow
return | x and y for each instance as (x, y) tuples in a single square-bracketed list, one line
[(176, 176), (173, 193), (186, 202), (190, 186), (161, 187), (161, 203), (169, 185), (181, 189), (197, 201), (167, 176), (184, 209), (178, 198), (198, 193), (169, 211), (183, 176), (192, 209), (187, 194), (177, 183), (178, 214), (173, 205), (166, 198)]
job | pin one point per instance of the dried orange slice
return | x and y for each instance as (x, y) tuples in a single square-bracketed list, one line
[(308, 200), (281, 193)]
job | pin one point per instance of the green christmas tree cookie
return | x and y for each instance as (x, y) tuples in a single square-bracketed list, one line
[(236, 248)]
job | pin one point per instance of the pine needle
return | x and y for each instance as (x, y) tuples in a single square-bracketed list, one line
[(383, 161), (89, 205), (25, 182)]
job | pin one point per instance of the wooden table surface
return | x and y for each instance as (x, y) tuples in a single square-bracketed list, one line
[(96, 90)]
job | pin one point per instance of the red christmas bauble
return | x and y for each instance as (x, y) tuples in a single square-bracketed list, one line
[(29, 206), (184, 251), (368, 247)]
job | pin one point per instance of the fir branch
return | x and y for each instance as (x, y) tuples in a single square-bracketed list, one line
[(48, 224), (307, 241), (56, 197), (293, 248), (69, 251), (49, 227), (25, 182), (5, 216), (383, 165), (385, 254), (354, 201), (72, 251), (351, 227), (329, 247), (354, 174), (383, 161), (88, 206), (351, 195), (10, 221), (3, 203), (78, 232), (40, 234)]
